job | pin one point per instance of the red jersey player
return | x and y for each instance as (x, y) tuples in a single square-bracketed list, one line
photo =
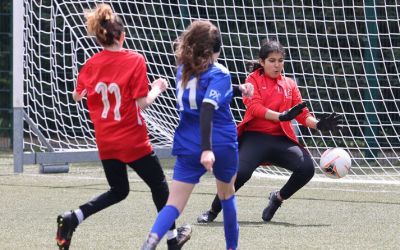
[(115, 83), (266, 134)]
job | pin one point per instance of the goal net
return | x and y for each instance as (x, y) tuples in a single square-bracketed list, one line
[(344, 56)]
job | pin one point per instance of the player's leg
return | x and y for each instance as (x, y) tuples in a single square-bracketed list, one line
[(149, 169), (117, 178), (116, 175), (187, 173), (226, 193), (293, 157), (299, 161), (225, 168), (179, 195), (251, 155)]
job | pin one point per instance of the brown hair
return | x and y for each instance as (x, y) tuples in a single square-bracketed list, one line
[(104, 24), (195, 48)]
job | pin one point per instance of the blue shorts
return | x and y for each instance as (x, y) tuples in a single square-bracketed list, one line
[(188, 168)]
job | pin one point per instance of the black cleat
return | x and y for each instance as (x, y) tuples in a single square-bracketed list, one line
[(206, 217), (184, 234), (273, 205), (66, 224)]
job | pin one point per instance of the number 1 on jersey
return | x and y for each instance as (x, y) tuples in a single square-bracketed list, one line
[(191, 85)]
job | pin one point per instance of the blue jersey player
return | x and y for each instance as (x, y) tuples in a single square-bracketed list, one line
[(206, 137)]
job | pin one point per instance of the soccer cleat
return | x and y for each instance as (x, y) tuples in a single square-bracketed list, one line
[(151, 242), (206, 217), (184, 234), (66, 224), (273, 205)]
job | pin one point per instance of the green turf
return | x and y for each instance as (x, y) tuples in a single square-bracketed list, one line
[(320, 216)]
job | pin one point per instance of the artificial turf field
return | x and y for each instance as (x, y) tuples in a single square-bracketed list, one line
[(322, 215)]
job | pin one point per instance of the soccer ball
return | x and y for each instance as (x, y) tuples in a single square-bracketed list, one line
[(335, 163)]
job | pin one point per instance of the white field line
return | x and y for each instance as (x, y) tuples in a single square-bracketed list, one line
[(169, 172)]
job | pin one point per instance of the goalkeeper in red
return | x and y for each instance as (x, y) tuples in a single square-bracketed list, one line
[(266, 134), (115, 83)]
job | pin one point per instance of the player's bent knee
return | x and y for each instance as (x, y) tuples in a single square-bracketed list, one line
[(226, 193), (309, 170), (120, 194)]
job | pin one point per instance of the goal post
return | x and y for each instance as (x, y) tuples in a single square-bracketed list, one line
[(345, 57), (18, 79)]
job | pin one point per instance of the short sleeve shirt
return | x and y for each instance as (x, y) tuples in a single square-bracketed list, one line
[(114, 80)]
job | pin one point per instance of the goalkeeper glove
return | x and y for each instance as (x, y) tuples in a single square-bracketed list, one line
[(292, 112), (330, 122)]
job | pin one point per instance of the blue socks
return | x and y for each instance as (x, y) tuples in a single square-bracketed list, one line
[(231, 225), (164, 221), (169, 214)]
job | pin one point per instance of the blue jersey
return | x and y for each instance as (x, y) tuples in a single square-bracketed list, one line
[(213, 86)]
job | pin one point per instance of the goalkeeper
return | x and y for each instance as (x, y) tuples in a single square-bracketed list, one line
[(266, 134), (115, 82)]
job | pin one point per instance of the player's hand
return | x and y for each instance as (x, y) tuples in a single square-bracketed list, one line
[(330, 122), (78, 97), (160, 83), (207, 159), (290, 114), (247, 89)]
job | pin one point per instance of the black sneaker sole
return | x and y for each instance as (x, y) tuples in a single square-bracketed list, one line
[(63, 244)]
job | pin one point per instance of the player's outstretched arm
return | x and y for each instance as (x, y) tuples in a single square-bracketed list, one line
[(157, 87)]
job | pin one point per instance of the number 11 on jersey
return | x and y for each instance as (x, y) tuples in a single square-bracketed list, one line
[(113, 88)]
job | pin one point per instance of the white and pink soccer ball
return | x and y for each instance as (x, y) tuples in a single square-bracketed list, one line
[(335, 163)]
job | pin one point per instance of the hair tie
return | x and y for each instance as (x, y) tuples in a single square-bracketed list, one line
[(103, 23)]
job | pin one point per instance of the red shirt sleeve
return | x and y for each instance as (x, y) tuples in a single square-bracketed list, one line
[(138, 83), (83, 77), (254, 104)]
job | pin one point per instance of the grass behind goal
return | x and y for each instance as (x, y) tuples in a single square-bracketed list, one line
[(320, 216)]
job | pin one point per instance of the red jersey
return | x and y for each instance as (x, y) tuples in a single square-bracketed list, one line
[(271, 94), (272, 97), (113, 81)]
